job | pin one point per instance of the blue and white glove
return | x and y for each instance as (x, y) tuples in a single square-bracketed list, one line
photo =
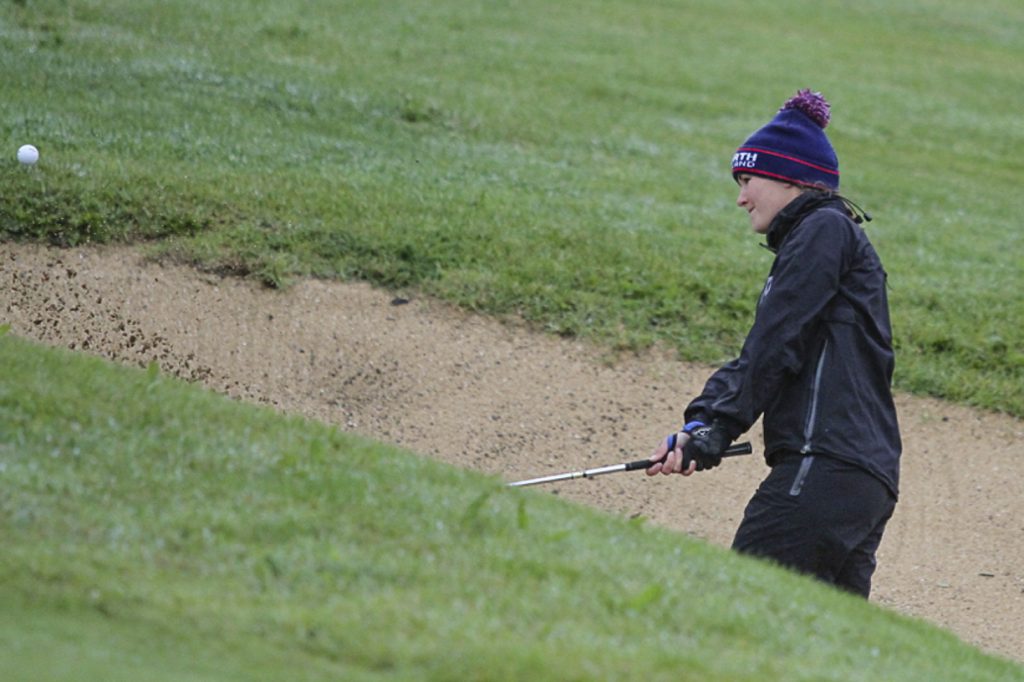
[(705, 446)]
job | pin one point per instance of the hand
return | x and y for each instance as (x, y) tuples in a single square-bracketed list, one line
[(704, 447), (667, 458)]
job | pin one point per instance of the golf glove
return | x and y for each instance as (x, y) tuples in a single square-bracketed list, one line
[(705, 446)]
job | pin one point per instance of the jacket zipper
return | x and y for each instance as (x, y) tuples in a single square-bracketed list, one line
[(801, 475), (812, 412)]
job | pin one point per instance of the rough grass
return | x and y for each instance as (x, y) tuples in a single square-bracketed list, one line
[(153, 530)]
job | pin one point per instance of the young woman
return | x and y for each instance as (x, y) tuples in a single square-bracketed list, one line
[(817, 365)]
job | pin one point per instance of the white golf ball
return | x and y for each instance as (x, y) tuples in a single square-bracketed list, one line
[(28, 154)]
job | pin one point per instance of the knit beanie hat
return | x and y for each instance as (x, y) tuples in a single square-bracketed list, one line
[(793, 146)]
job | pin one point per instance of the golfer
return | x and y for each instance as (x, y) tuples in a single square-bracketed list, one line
[(817, 365)]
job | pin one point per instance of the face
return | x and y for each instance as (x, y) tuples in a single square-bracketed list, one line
[(763, 199)]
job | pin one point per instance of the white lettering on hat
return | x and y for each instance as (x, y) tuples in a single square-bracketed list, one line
[(744, 159)]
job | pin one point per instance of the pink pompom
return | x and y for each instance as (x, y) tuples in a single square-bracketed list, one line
[(811, 103)]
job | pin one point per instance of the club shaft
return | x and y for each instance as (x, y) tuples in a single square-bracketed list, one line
[(738, 449), (586, 473)]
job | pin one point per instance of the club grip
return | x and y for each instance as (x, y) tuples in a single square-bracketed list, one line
[(738, 449)]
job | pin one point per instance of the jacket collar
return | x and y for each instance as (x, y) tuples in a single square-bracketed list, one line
[(794, 212)]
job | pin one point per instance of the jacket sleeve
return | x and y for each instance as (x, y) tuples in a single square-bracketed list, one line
[(804, 278)]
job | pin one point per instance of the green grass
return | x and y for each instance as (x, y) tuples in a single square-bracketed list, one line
[(153, 530), (565, 162)]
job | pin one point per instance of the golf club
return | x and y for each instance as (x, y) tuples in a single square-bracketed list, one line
[(737, 449)]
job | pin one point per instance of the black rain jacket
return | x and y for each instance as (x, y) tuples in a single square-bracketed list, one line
[(818, 360)]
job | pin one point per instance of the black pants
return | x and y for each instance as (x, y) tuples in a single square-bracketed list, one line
[(820, 516)]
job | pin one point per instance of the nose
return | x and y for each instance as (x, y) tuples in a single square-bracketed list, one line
[(741, 198)]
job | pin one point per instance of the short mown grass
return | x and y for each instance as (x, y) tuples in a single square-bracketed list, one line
[(566, 163), (153, 530)]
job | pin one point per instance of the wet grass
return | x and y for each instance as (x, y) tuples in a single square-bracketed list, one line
[(153, 530), (565, 164)]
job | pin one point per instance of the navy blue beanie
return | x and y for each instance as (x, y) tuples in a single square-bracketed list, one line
[(793, 146)]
